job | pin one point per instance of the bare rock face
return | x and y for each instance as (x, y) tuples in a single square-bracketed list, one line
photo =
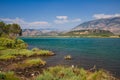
[(110, 24)]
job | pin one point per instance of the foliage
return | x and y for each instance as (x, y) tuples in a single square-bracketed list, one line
[(10, 29), (8, 76), (6, 42), (11, 43), (63, 73)]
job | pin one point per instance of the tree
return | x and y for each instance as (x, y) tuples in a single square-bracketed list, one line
[(2, 24), (11, 30)]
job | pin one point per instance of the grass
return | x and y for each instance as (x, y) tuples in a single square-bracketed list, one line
[(68, 73), (25, 52), (13, 53), (7, 57), (30, 63), (8, 76), (37, 51)]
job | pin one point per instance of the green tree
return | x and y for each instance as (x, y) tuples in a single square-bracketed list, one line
[(10, 30), (2, 24), (15, 29)]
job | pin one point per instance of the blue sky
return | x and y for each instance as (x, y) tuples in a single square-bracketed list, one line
[(56, 14)]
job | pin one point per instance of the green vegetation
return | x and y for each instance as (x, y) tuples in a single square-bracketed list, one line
[(13, 53), (10, 30), (7, 57), (8, 76), (63, 73), (12, 49), (42, 52), (89, 33), (30, 63), (6, 43)]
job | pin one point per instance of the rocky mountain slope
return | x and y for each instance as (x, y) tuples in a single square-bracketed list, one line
[(111, 24), (39, 32)]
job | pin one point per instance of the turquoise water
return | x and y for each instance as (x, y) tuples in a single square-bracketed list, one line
[(86, 52)]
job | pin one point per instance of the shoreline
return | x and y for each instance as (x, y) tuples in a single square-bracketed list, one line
[(36, 69), (67, 37)]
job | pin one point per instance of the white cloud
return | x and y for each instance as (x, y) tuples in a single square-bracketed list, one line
[(25, 23), (76, 20), (16, 20), (60, 21), (62, 17), (100, 16), (39, 23)]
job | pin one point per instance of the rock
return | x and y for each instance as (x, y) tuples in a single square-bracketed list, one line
[(32, 74), (68, 57)]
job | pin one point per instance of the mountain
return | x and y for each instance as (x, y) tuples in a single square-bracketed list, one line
[(99, 27), (89, 32), (108, 24), (39, 32)]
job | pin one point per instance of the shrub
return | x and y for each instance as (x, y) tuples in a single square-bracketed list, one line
[(6, 42), (21, 44), (69, 73), (12, 43)]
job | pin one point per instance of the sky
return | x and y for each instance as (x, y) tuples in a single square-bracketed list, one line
[(56, 14)]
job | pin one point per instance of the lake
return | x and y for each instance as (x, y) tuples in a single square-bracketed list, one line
[(86, 52)]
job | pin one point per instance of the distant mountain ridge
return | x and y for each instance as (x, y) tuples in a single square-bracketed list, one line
[(39, 32), (110, 24), (99, 27)]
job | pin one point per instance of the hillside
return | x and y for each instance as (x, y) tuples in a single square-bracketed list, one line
[(39, 32), (90, 32), (111, 24)]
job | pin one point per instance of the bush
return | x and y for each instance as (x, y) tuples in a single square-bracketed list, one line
[(6, 42), (11, 43), (21, 44), (69, 73)]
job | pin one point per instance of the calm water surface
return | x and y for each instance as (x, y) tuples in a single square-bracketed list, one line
[(86, 52)]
